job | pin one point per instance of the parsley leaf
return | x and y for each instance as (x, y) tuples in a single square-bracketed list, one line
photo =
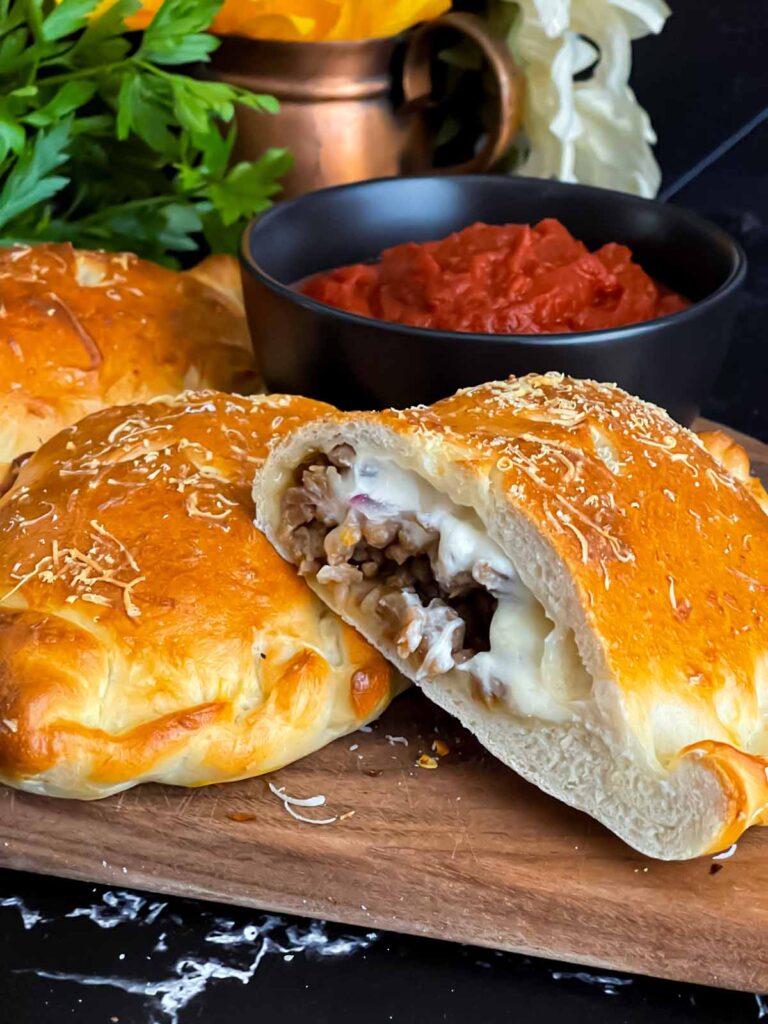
[(67, 17), (105, 143), (176, 34), (234, 195), (11, 46), (12, 137), (30, 181), (142, 107), (71, 96), (103, 42)]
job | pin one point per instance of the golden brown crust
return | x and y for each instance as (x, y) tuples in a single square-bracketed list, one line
[(83, 330), (742, 778), (221, 273), (147, 629), (667, 547), (733, 457)]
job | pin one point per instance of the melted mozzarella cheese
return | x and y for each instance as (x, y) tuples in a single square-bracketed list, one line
[(532, 666), (463, 542), (511, 669), (537, 663)]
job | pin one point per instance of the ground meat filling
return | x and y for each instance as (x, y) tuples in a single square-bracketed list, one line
[(385, 565)]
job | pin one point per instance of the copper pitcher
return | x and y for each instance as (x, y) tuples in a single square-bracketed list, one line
[(337, 115)]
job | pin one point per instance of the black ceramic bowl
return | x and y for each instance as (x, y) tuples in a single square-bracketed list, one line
[(355, 362)]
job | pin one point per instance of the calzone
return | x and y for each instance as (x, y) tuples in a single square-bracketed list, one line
[(572, 574), (148, 631), (80, 331)]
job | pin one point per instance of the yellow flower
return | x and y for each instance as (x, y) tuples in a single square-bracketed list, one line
[(309, 20), (359, 19), (298, 20)]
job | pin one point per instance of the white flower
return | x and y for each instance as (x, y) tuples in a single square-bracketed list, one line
[(593, 131)]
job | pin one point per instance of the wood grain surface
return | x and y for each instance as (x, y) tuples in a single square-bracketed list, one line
[(467, 852)]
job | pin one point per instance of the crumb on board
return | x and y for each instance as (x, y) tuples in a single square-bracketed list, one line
[(392, 740), (726, 854), (290, 803)]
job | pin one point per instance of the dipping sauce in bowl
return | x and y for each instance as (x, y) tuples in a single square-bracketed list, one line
[(355, 361), (492, 279)]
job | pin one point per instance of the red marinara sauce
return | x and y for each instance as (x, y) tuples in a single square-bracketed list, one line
[(514, 279)]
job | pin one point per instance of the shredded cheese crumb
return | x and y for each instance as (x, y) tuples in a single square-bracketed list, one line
[(726, 853), (291, 802), (194, 510), (89, 571), (104, 532)]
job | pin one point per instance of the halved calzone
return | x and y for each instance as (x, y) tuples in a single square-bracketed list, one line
[(568, 571), (80, 331), (148, 631)]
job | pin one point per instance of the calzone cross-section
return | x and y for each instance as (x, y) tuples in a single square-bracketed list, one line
[(583, 582)]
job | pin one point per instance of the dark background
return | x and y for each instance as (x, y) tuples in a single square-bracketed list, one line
[(703, 81)]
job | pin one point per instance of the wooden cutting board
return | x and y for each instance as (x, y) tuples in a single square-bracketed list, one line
[(467, 852)]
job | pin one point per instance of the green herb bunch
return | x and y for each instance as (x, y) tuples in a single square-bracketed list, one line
[(105, 144)]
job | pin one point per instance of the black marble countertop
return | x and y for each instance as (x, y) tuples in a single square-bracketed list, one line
[(72, 951), (111, 956)]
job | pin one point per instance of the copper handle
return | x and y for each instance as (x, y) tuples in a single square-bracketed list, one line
[(417, 84)]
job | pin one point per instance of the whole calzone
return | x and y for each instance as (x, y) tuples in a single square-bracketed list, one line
[(81, 330), (148, 631), (567, 570)]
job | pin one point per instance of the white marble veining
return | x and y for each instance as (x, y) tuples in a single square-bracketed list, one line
[(236, 950), (29, 917)]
